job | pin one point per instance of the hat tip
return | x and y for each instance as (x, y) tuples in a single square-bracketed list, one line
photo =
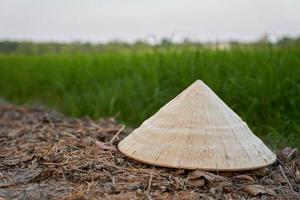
[(198, 82)]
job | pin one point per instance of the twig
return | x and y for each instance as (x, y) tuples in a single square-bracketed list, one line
[(292, 152), (149, 187), (287, 180), (149, 184), (148, 196), (68, 134), (116, 135), (45, 163)]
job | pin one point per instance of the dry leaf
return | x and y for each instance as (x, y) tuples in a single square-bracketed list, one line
[(255, 190), (197, 182), (261, 171), (208, 176), (104, 146), (244, 177), (179, 172)]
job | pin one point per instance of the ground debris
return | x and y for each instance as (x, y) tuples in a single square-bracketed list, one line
[(255, 190), (206, 175), (244, 177), (297, 170), (19, 176), (45, 155)]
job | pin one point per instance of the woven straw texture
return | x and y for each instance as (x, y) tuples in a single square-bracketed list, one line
[(197, 130)]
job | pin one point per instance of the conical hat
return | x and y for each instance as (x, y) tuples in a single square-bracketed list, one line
[(197, 130)]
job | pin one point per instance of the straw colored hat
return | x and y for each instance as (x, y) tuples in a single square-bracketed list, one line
[(197, 130)]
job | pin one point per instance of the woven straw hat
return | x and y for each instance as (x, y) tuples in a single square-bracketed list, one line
[(197, 130)]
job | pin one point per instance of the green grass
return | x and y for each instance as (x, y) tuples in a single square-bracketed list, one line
[(261, 84)]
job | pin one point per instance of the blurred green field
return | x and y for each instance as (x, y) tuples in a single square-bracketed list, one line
[(261, 84)]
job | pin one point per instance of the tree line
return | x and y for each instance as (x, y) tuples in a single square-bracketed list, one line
[(29, 47)]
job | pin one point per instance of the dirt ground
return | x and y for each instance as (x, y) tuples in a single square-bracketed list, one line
[(45, 155)]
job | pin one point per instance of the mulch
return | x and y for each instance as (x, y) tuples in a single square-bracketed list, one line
[(46, 155)]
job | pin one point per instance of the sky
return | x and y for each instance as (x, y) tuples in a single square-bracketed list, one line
[(151, 20)]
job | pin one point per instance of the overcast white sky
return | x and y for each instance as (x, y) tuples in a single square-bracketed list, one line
[(129, 20)]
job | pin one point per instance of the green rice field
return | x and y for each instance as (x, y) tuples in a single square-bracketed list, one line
[(262, 85)]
